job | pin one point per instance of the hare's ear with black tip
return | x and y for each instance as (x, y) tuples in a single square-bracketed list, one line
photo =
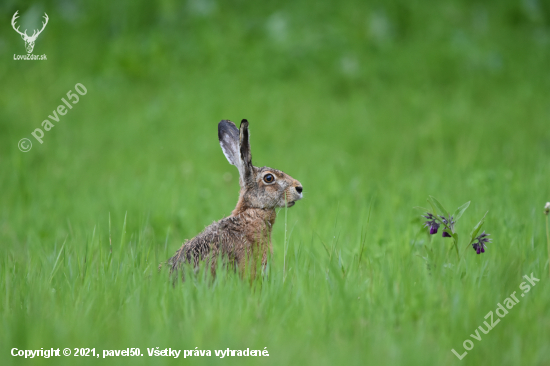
[(236, 148), (245, 154), (228, 134)]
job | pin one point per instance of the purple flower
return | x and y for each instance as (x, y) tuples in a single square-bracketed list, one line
[(431, 223), (481, 242), (450, 223)]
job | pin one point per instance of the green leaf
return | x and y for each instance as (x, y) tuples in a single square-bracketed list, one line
[(423, 210), (434, 202), (455, 243), (455, 239), (459, 211), (434, 210), (123, 236), (476, 229), (55, 266)]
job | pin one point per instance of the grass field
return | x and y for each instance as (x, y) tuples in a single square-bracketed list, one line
[(373, 106)]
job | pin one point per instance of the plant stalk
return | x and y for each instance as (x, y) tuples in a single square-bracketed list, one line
[(548, 242)]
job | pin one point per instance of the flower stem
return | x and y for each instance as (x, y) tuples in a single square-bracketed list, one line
[(548, 242), (285, 242)]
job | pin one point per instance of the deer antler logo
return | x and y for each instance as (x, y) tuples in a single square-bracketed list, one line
[(29, 41)]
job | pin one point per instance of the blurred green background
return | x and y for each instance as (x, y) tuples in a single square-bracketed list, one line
[(372, 105)]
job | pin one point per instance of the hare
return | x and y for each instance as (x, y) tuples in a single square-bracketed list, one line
[(243, 237)]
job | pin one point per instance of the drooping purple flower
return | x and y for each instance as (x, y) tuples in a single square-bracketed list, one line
[(431, 223), (481, 242), (449, 223)]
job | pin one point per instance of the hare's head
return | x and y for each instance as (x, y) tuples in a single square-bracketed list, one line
[(260, 187)]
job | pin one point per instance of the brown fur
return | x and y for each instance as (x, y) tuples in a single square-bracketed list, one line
[(244, 236)]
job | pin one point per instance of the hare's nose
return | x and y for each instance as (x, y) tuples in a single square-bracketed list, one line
[(299, 189)]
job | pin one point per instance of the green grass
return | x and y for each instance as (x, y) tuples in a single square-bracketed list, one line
[(372, 106)]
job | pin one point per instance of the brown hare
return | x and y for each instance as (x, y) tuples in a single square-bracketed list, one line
[(243, 237)]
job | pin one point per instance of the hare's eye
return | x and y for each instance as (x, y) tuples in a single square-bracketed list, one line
[(269, 178)]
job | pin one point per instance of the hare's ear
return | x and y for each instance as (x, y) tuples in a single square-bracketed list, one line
[(236, 148), (228, 134), (245, 154)]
